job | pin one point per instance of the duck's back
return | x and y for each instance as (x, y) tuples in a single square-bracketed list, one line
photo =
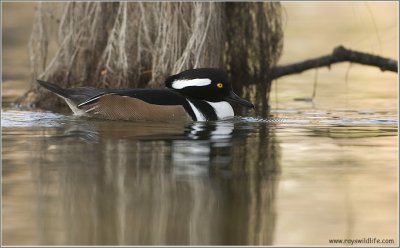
[(125, 104)]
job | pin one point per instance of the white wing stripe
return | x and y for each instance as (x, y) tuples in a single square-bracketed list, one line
[(91, 109), (90, 100)]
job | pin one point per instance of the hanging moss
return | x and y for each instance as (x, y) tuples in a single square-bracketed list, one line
[(137, 44)]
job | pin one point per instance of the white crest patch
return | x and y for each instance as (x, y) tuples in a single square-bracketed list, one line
[(180, 84), (222, 109)]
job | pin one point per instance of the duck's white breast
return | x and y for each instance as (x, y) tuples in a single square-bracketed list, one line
[(222, 109)]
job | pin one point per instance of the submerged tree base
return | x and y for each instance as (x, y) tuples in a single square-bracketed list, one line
[(137, 44)]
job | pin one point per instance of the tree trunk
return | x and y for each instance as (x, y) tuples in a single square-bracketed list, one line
[(138, 44)]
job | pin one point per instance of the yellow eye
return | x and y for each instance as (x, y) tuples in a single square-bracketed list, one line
[(220, 85)]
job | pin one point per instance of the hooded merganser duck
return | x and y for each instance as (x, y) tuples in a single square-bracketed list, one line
[(195, 94)]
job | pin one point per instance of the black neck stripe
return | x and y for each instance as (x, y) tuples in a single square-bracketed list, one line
[(190, 111), (206, 109)]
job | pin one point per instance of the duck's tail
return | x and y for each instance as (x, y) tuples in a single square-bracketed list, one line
[(54, 88), (73, 96)]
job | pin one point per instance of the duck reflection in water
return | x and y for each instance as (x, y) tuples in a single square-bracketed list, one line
[(202, 183)]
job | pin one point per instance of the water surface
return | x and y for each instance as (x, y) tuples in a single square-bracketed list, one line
[(254, 181)]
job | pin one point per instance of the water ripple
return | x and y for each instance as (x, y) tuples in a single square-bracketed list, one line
[(18, 118)]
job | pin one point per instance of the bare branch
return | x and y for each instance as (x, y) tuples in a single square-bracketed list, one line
[(339, 54)]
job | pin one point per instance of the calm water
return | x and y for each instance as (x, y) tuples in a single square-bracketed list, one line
[(311, 172), (243, 181)]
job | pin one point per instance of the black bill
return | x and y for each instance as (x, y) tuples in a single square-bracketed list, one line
[(235, 98)]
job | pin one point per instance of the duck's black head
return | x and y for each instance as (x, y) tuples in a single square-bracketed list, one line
[(207, 84)]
